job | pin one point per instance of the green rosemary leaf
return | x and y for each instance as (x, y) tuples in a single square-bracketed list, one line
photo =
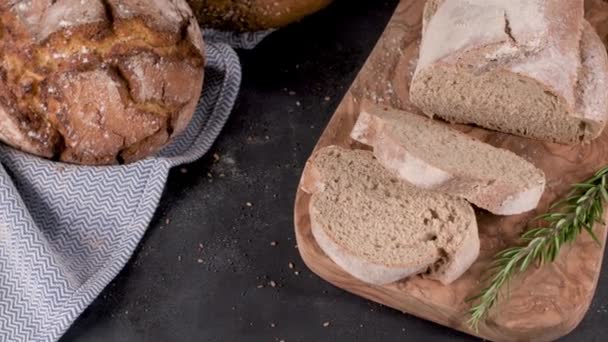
[(583, 186), (593, 236), (566, 219), (527, 261), (557, 242)]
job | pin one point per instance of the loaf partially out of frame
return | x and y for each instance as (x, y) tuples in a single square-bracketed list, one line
[(534, 68)]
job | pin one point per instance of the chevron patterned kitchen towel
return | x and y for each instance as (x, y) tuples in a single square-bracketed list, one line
[(66, 231)]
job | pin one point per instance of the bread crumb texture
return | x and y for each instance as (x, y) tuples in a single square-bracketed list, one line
[(374, 216), (97, 81)]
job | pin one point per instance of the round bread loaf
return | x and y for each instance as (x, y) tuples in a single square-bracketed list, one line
[(97, 81), (253, 15)]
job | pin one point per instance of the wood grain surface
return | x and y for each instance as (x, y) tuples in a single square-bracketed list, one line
[(544, 303)]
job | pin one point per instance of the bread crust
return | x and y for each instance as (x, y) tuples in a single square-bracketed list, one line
[(500, 197), (253, 15), (540, 42), (97, 81), (455, 264)]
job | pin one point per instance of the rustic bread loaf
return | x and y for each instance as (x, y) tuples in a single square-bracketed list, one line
[(380, 229), (531, 68), (253, 15), (430, 155), (97, 82)]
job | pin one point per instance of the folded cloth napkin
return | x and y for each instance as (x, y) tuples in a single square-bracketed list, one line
[(66, 231)]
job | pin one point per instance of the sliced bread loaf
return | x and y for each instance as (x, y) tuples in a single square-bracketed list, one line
[(381, 229), (530, 68), (431, 155)]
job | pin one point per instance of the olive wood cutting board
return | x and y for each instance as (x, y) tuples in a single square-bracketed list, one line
[(544, 303)]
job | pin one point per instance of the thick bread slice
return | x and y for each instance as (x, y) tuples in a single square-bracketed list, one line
[(381, 229), (517, 66), (431, 155)]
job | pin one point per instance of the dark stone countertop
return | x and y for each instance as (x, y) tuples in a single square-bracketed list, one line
[(175, 290)]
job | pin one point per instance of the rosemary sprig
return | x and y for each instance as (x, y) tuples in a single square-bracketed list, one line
[(566, 219)]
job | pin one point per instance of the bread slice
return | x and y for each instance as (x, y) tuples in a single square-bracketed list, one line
[(431, 155), (530, 68), (380, 229)]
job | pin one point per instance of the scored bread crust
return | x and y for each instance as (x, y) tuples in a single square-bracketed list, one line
[(374, 273), (539, 41), (374, 127), (253, 15), (97, 81)]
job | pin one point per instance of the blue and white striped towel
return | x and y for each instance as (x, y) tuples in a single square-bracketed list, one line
[(66, 231)]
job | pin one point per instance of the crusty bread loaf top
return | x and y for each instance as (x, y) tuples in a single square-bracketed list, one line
[(431, 155), (97, 82), (538, 38), (455, 26), (253, 15), (362, 211)]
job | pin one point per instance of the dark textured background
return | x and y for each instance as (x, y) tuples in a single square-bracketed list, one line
[(175, 290)]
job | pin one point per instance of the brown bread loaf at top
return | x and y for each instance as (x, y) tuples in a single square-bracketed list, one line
[(253, 15), (97, 82)]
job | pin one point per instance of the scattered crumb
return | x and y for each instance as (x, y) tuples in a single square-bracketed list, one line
[(267, 137), (360, 325), (167, 221), (209, 175), (325, 325), (327, 98), (296, 273), (216, 157), (222, 175), (272, 325), (273, 243), (200, 245), (249, 204), (290, 265), (272, 283), (298, 103), (260, 286), (179, 258), (292, 93), (200, 261), (183, 170)]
